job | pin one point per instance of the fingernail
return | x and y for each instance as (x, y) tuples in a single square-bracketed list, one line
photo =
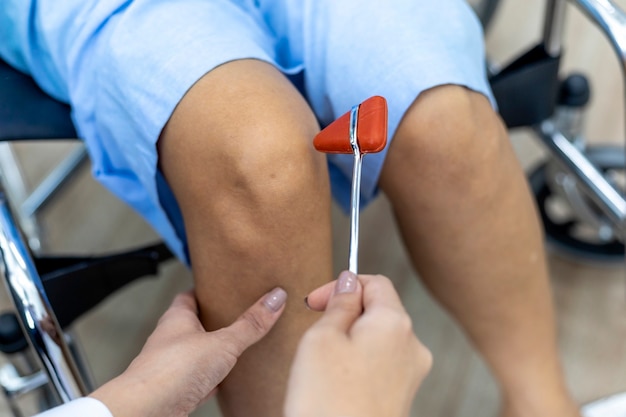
[(306, 302), (346, 283), (275, 299)]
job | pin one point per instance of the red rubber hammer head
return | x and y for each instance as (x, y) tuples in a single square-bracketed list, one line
[(371, 130)]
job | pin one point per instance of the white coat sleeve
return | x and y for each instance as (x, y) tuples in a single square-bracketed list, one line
[(79, 408)]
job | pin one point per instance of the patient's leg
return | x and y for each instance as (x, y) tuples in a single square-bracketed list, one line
[(467, 217), (255, 199)]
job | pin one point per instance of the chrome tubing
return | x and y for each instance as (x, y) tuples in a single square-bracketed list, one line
[(34, 311), (15, 385), (54, 181), (78, 356), (355, 195), (611, 19), (554, 27), (592, 182), (14, 184)]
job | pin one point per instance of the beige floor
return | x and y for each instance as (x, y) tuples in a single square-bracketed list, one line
[(590, 299)]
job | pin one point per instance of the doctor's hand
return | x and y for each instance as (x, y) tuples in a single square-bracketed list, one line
[(181, 364), (361, 358)]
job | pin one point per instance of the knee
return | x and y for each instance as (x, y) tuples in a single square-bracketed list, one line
[(449, 135), (260, 186), (250, 145), (273, 168), (257, 163)]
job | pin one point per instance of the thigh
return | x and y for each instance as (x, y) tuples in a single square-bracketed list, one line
[(132, 74)]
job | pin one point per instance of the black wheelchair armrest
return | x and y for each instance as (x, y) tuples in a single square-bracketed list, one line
[(27, 112)]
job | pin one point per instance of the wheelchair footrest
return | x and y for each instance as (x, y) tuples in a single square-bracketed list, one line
[(74, 285), (527, 89)]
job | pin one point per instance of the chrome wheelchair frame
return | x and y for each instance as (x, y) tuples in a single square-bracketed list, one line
[(42, 352)]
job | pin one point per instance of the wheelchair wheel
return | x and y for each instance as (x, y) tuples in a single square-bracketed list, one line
[(485, 10), (571, 229)]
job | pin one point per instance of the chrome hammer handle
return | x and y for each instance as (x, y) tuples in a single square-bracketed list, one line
[(355, 195)]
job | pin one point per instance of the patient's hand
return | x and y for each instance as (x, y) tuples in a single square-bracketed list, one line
[(361, 358), (181, 364)]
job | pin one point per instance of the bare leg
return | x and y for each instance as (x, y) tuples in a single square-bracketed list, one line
[(466, 215), (255, 199)]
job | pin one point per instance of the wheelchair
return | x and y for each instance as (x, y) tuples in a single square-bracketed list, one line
[(579, 187), (530, 92)]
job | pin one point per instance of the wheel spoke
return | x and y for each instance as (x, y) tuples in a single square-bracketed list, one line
[(564, 229)]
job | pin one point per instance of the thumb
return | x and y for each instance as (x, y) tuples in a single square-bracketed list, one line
[(345, 304), (256, 321)]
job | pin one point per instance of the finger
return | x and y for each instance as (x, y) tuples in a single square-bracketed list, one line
[(345, 304), (256, 321), (186, 301), (379, 292), (182, 313), (318, 298)]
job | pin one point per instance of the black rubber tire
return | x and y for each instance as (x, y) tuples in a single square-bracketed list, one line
[(560, 234)]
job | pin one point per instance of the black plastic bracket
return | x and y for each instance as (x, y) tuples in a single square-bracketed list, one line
[(527, 89), (74, 285)]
